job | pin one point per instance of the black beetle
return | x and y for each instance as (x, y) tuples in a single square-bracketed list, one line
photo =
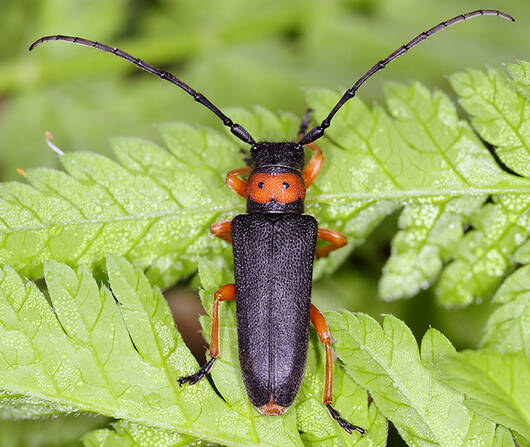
[(274, 245)]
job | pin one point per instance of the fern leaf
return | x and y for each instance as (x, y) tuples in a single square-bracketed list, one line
[(101, 206), (402, 382), (522, 255), (18, 406), (495, 380), (486, 254), (310, 416), (154, 206), (88, 354), (499, 113), (115, 351), (520, 74), (496, 386), (508, 328), (503, 437), (426, 132), (127, 434)]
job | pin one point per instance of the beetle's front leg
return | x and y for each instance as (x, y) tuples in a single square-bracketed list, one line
[(225, 293), (235, 183), (336, 240), (321, 326), (311, 170)]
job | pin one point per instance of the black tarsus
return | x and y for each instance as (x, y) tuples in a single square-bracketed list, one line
[(192, 379), (318, 131), (343, 422), (238, 130)]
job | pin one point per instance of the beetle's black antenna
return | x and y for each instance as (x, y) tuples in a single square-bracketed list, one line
[(318, 131), (238, 130)]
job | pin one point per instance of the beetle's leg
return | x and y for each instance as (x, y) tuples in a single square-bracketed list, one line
[(222, 230), (225, 293), (312, 168), (304, 125), (336, 239), (321, 326), (235, 183)]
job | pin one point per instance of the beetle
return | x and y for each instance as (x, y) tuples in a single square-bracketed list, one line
[(274, 245)]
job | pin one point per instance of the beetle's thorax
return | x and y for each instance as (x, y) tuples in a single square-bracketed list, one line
[(275, 184)]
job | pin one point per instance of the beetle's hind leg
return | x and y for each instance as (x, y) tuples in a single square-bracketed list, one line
[(321, 326), (225, 293)]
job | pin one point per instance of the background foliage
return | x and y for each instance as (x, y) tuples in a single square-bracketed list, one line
[(240, 58)]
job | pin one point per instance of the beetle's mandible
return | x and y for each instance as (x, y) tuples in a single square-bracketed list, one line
[(274, 245)]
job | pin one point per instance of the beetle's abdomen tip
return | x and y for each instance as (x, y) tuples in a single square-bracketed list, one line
[(272, 409)]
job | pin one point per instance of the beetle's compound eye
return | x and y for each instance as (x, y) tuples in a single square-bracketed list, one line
[(261, 185), (285, 185)]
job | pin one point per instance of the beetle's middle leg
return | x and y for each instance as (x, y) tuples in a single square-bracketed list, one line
[(336, 240), (225, 293), (321, 326)]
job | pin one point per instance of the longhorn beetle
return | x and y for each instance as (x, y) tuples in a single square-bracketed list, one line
[(274, 245)]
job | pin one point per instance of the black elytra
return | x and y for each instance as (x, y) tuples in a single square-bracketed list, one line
[(273, 266), (274, 247)]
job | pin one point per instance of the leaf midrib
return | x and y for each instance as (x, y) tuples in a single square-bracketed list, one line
[(316, 202)]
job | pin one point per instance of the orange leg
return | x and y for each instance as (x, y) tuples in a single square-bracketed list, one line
[(312, 168), (225, 293), (235, 183), (336, 239), (222, 230), (321, 326)]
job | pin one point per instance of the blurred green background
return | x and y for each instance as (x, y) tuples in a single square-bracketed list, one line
[(238, 53)]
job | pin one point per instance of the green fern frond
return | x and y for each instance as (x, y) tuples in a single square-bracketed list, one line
[(402, 381), (520, 74), (86, 352), (128, 434), (496, 387), (508, 328), (154, 206), (495, 379), (500, 114), (393, 157)]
